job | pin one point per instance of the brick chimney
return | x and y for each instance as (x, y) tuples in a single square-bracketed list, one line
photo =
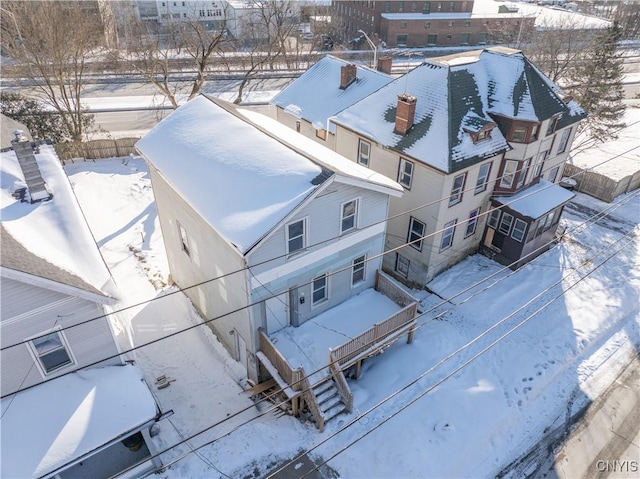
[(384, 64), (347, 75), (405, 113)]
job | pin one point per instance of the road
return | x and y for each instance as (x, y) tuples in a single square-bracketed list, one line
[(602, 442)]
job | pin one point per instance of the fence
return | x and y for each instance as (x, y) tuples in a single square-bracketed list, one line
[(96, 149), (600, 186)]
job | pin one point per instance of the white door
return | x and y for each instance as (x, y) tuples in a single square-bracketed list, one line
[(277, 313)]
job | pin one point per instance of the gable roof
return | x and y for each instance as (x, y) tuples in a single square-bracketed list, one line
[(316, 94), (456, 94), (234, 170), (51, 239)]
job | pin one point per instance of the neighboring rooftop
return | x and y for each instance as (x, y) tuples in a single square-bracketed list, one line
[(327, 98), (50, 425), (49, 239), (208, 149), (537, 200), (7, 127), (454, 92)]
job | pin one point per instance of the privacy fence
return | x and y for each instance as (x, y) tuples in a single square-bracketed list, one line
[(96, 149), (601, 186)]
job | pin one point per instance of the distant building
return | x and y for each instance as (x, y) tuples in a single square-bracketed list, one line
[(421, 24)]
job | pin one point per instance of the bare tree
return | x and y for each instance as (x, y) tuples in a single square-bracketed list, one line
[(51, 44), (181, 50)]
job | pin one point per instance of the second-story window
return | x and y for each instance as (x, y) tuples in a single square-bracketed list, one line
[(472, 223), (296, 236), (416, 233), (456, 190), (564, 139), (52, 352), (447, 235), (523, 172), (405, 174), (349, 216), (483, 177), (508, 174), (537, 168), (364, 151)]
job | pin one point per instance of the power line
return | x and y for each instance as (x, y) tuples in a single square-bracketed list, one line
[(448, 376), (580, 226)]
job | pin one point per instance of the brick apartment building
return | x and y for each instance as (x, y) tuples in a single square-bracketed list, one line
[(428, 23)]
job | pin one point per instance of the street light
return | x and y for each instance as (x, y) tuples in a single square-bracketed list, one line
[(373, 47)]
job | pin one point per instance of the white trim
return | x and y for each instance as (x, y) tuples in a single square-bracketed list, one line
[(33, 312), (369, 185), (326, 298), (364, 270), (305, 236), (302, 262), (356, 216), (56, 286), (34, 353)]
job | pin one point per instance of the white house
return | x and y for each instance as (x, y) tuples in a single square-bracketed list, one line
[(54, 287), (455, 132), (271, 228)]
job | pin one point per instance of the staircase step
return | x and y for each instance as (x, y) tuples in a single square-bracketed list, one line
[(333, 412), (320, 388), (326, 396), (330, 403)]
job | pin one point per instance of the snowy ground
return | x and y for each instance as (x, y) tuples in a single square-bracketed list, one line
[(475, 416)]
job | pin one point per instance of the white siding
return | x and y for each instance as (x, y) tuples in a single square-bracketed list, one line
[(32, 310)]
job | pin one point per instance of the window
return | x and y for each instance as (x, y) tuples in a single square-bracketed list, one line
[(426, 7), (472, 223), (553, 174), (427, 24), (321, 133), (296, 238), (401, 40), (348, 216), (509, 173), (467, 23), (358, 270), (447, 235), (400, 6), (416, 233), (456, 191), (452, 6), (483, 177), (439, 6), (52, 352), (505, 224), (364, 150), (432, 39), (387, 7), (403, 25), (519, 229), (319, 293), (549, 220), (551, 127), (537, 168), (534, 132), (184, 239), (519, 134), (298, 124), (562, 146), (523, 172), (405, 173), (402, 265), (414, 6), (482, 38), (493, 219), (451, 23), (464, 40)]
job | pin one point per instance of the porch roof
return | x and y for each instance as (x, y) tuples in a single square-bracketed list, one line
[(308, 345), (536, 200), (51, 425)]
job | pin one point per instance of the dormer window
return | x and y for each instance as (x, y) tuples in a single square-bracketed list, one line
[(478, 128), (521, 132)]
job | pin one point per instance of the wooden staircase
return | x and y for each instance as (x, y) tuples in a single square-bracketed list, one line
[(329, 400)]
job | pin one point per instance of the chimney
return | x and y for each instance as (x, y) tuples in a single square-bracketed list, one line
[(405, 113), (384, 64), (347, 75)]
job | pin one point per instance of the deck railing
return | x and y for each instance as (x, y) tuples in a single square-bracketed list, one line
[(310, 399), (341, 382), (386, 286), (290, 375)]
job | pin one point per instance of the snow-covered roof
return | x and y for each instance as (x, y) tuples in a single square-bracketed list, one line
[(451, 92), (537, 200), (316, 94), (617, 158), (237, 175), (50, 425), (7, 127), (49, 239)]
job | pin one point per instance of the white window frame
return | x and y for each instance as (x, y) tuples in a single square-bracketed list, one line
[(472, 224), (37, 355), (537, 167), (504, 221), (358, 265), (520, 227), (523, 173), (401, 260), (184, 239), (564, 141), (364, 158), (553, 174), (456, 191), (447, 235), (353, 216), (405, 177), (325, 296), (508, 174), (303, 236), (418, 244), (483, 179), (494, 219)]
